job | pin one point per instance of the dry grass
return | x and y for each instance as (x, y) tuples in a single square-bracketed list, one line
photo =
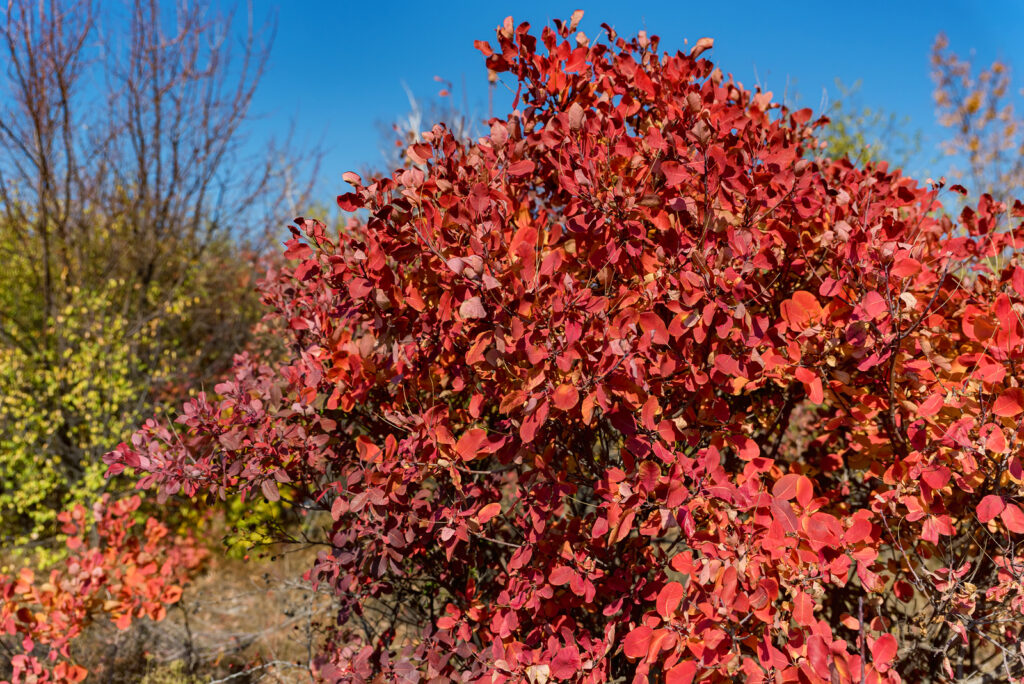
[(239, 621)]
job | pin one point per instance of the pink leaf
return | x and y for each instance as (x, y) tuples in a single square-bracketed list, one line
[(566, 663), (472, 308)]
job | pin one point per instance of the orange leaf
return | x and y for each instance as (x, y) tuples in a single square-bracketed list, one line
[(488, 512), (566, 397), (800, 310)]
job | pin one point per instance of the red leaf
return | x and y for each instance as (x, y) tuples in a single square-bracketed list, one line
[(803, 609), (996, 440), (785, 487), (884, 649), (903, 590), (936, 477), (1010, 403), (533, 422), (521, 167), (338, 508), (830, 287), (625, 526), (477, 442), (661, 640), (420, 153), (649, 475), (930, 406), (675, 173), (652, 324), (804, 491), (561, 575), (817, 654), (575, 116), (636, 642), (1013, 518), (469, 443), (802, 116), (669, 598), (874, 305), (269, 488), (860, 530), (350, 201), (682, 673), (815, 392), (905, 268)]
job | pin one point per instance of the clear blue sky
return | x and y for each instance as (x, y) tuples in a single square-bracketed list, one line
[(337, 68)]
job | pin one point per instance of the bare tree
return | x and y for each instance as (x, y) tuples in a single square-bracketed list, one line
[(126, 171), (977, 105), (122, 145), (45, 50)]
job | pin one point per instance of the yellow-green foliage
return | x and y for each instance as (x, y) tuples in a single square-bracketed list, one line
[(174, 672), (251, 524), (92, 342), (63, 404)]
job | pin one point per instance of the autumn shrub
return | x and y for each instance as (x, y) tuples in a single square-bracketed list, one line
[(638, 387), (117, 567)]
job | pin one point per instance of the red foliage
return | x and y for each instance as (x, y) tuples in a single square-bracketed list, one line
[(636, 386), (114, 569)]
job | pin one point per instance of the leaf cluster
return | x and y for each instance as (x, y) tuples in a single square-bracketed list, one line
[(638, 388)]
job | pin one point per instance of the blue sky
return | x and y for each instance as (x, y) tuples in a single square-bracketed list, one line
[(337, 68)]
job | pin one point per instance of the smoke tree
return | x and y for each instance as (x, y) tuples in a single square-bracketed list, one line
[(638, 387)]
